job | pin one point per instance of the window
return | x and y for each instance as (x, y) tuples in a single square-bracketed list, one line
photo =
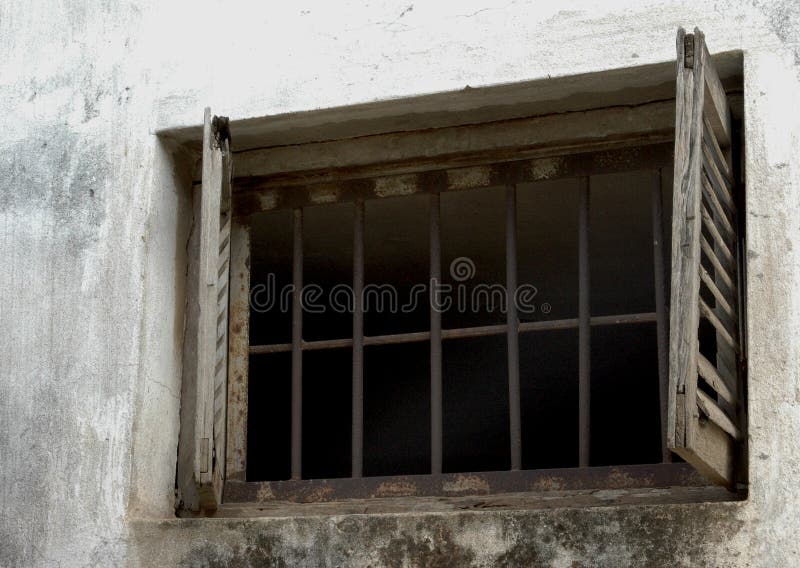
[(498, 308)]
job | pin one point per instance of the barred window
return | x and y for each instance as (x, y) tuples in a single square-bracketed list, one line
[(521, 305)]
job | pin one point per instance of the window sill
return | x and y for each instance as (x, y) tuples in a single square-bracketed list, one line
[(526, 490)]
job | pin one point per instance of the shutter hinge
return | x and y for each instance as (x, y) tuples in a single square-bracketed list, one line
[(688, 51), (204, 448)]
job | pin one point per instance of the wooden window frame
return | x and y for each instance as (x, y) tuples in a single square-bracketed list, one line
[(567, 145)]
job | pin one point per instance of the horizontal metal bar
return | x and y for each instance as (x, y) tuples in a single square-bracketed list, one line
[(460, 484), (458, 333)]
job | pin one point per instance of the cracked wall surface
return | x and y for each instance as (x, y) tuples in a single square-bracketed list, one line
[(93, 224)]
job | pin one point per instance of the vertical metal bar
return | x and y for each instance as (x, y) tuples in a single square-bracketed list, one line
[(512, 328), (584, 328), (436, 335), (357, 445), (661, 308), (297, 339)]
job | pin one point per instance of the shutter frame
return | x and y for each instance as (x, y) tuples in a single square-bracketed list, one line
[(704, 422), (201, 459)]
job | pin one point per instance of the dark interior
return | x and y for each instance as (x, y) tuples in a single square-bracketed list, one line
[(625, 423)]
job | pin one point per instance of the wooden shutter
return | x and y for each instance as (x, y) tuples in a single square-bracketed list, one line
[(201, 463), (705, 357)]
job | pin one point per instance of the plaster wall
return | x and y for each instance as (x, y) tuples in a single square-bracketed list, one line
[(94, 214)]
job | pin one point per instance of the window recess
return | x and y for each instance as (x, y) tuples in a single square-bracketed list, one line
[(606, 383)]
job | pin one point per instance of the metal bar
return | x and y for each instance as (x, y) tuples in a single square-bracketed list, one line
[(357, 442), (436, 335), (512, 329), (584, 329), (461, 484), (458, 333), (297, 339), (662, 337)]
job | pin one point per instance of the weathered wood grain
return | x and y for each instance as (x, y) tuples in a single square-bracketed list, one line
[(701, 429)]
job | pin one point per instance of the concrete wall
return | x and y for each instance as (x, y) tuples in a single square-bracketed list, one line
[(93, 222)]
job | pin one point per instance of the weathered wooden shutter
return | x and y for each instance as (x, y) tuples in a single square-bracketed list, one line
[(705, 358), (201, 463)]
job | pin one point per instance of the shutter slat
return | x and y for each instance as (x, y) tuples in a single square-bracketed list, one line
[(722, 216), (720, 270), (714, 378), (718, 182), (716, 415), (721, 301), (719, 241), (718, 378), (708, 313), (711, 149), (715, 103)]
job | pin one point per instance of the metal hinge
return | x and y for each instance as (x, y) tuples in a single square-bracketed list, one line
[(688, 51)]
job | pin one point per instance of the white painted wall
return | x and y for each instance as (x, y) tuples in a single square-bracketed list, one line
[(93, 220)]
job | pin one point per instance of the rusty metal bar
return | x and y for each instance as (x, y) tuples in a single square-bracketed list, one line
[(457, 333), (357, 441), (436, 334), (297, 340), (461, 484), (661, 309), (584, 329), (512, 329)]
